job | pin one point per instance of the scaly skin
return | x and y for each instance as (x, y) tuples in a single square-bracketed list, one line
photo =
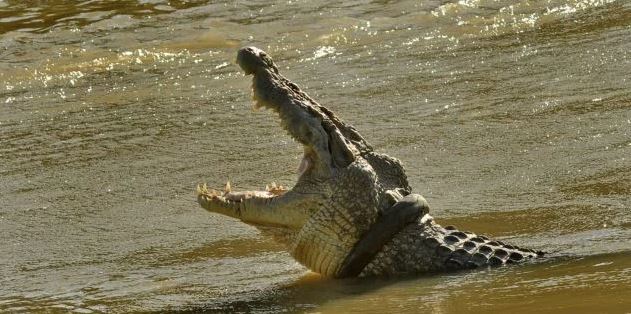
[(351, 212)]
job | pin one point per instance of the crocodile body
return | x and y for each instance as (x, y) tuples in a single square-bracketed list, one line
[(351, 212)]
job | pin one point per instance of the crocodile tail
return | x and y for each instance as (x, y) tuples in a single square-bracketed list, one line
[(461, 250)]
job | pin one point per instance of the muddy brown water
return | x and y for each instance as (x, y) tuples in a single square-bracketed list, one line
[(513, 119)]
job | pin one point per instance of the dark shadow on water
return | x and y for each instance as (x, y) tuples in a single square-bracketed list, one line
[(306, 294), (311, 292)]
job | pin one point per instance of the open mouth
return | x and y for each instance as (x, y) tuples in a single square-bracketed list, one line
[(304, 121), (228, 196)]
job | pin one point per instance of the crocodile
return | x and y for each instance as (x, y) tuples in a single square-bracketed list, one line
[(351, 212)]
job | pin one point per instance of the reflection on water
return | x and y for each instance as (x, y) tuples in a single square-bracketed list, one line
[(598, 281), (513, 119)]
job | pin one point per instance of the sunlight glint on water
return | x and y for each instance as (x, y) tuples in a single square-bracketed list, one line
[(513, 119)]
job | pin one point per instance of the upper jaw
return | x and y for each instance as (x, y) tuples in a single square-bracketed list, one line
[(326, 147), (252, 60), (299, 115)]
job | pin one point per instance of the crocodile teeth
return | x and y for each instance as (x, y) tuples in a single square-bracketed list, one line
[(275, 189), (202, 189), (228, 188), (270, 187)]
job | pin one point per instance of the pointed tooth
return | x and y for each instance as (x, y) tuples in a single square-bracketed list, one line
[(228, 188), (273, 185), (267, 188), (202, 188)]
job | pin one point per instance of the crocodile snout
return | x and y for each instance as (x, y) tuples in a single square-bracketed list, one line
[(251, 59)]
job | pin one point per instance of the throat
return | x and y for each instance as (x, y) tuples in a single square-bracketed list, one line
[(305, 163), (282, 235)]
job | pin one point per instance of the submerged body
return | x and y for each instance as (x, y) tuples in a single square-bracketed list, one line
[(352, 211)]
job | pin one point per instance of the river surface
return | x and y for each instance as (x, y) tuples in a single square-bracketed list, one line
[(513, 119)]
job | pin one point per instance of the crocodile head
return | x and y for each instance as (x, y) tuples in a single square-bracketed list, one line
[(343, 186)]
